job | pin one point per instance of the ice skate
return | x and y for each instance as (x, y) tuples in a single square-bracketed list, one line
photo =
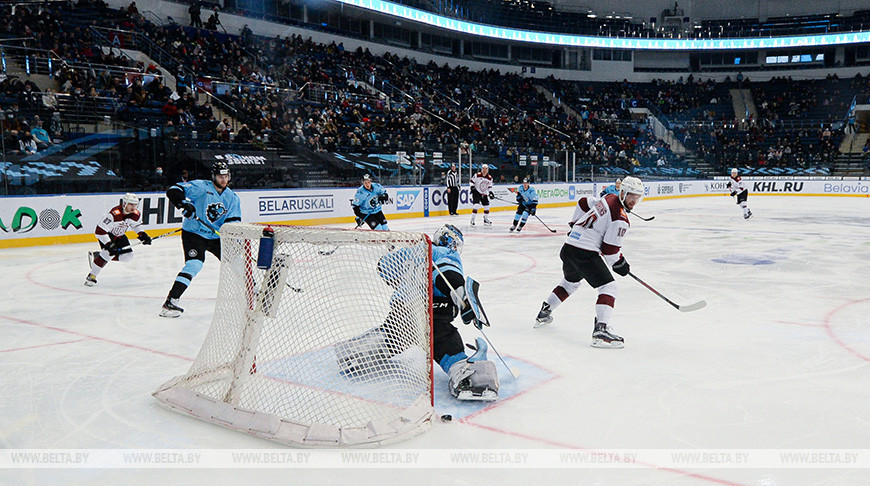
[(603, 338), (748, 214), (513, 228), (90, 280), (474, 378), (171, 308), (544, 316), (487, 222)]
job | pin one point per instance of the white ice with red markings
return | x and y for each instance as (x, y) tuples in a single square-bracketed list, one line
[(779, 359)]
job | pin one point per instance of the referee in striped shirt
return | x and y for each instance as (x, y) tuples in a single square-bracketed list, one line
[(452, 183)]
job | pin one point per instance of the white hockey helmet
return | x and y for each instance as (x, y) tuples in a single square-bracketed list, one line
[(734, 172), (630, 185), (484, 166), (130, 198), (449, 236)]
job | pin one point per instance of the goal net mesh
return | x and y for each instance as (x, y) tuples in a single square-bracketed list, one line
[(329, 346)]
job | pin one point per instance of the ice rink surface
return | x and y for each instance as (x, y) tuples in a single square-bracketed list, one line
[(777, 360)]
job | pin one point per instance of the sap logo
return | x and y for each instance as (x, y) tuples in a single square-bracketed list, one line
[(405, 199), (572, 192)]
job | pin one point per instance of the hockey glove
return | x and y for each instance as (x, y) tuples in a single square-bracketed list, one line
[(491, 195), (733, 194), (519, 198), (114, 247), (188, 210), (621, 266), (359, 221), (383, 198), (144, 238), (532, 209)]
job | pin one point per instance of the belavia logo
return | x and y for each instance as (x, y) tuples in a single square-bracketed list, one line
[(25, 219)]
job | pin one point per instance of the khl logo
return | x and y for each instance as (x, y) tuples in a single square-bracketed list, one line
[(572, 192), (405, 199)]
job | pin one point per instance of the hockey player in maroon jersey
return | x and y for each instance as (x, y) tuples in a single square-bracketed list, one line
[(481, 192), (598, 227), (111, 234), (738, 188)]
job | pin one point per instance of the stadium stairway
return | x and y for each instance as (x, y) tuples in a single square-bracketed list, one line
[(849, 165)]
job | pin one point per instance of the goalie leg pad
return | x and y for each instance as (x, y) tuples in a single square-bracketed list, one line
[(363, 354), (474, 381)]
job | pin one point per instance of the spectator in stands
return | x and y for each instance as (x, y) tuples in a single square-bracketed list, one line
[(195, 11), (40, 136), (222, 131), (244, 135), (213, 21), (27, 144), (11, 128)]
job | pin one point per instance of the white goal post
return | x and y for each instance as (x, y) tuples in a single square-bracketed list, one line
[(328, 346)]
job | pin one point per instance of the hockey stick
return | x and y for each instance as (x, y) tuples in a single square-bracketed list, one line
[(545, 224), (359, 224), (641, 217), (139, 242), (535, 215), (682, 308), (206, 225), (514, 372), (474, 287)]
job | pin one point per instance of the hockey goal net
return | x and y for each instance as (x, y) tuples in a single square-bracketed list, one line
[(328, 346)]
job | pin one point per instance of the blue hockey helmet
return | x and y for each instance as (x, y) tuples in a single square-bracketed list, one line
[(449, 236)]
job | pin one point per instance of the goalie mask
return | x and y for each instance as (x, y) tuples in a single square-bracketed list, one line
[(449, 236)]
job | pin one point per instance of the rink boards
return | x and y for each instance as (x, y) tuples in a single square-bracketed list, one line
[(48, 220)]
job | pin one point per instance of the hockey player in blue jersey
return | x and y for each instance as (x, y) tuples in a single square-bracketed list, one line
[(470, 377), (527, 204), (206, 206), (612, 189), (367, 205)]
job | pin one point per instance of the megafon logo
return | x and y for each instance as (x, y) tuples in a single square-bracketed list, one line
[(25, 219), (405, 199)]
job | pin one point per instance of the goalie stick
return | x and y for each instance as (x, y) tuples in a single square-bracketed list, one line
[(682, 308), (476, 307), (535, 215)]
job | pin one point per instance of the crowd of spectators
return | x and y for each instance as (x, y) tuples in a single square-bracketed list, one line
[(291, 92)]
